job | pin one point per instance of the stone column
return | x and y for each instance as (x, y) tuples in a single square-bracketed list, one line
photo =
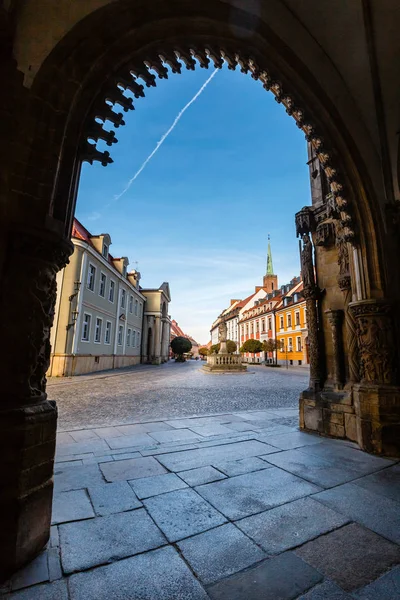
[(335, 318), (157, 340), (377, 396), (27, 419)]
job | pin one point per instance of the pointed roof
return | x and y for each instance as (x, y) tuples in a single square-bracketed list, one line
[(270, 268)]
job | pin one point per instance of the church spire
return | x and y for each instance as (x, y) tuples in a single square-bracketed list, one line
[(270, 268)]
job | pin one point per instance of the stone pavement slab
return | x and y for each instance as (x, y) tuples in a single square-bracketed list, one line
[(241, 426), (313, 467), (201, 475), (283, 577), (212, 429), (111, 498), (351, 556), (48, 591), (384, 483), (75, 478), (174, 435), (241, 466), (190, 459), (296, 439), (156, 426), (98, 541), (182, 513), (83, 435), (352, 458), (159, 484), (220, 552), (130, 430), (290, 525), (157, 575), (130, 441), (378, 513), (107, 432), (132, 468), (252, 493), (35, 572), (200, 421), (82, 448), (71, 506), (326, 591), (386, 587)]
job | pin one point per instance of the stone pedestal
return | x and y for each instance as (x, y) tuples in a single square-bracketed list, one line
[(225, 363)]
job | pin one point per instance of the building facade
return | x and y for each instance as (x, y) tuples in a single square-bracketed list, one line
[(100, 311), (156, 325), (291, 326), (176, 331)]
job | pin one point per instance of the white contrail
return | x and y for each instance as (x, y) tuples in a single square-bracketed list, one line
[(166, 134)]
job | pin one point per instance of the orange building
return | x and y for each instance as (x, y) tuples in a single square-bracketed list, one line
[(291, 325)]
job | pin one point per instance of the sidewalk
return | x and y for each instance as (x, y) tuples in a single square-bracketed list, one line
[(239, 506)]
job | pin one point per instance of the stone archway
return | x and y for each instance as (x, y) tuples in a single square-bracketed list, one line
[(81, 77)]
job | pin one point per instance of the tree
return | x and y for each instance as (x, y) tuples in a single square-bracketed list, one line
[(272, 345), (180, 346), (230, 345), (203, 351), (253, 346)]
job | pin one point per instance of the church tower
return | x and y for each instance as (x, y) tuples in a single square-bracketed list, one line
[(270, 281)]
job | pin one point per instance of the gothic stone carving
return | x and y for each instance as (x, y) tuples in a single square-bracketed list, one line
[(335, 318), (377, 350), (304, 221), (344, 279), (28, 312), (325, 234), (307, 265)]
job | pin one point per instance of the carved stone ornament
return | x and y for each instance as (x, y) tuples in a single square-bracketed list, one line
[(27, 299), (325, 234), (377, 350), (307, 264), (222, 332), (344, 279), (305, 222)]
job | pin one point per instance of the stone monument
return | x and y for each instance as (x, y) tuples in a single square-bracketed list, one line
[(223, 361)]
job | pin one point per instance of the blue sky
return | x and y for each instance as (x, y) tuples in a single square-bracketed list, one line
[(198, 216)]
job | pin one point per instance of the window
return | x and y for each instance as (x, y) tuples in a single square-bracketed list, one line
[(263, 325), (281, 325), (120, 334), (252, 327), (140, 309), (103, 280), (86, 328), (136, 308), (128, 338), (305, 316), (91, 277), (105, 250), (131, 304), (138, 339), (297, 317), (247, 329), (124, 271), (289, 320), (97, 331), (269, 323), (298, 341), (290, 344), (107, 335), (111, 291), (282, 345), (123, 298), (257, 326), (134, 338)]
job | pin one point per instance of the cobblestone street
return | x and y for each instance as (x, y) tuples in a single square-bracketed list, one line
[(169, 391)]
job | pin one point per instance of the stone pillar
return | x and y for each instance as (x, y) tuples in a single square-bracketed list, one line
[(377, 396), (156, 354), (335, 318), (27, 419)]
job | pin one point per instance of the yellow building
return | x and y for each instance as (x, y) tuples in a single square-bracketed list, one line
[(291, 326)]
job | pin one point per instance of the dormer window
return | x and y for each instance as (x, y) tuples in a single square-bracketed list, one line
[(124, 271), (105, 250)]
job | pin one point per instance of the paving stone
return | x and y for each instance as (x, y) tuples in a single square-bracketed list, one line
[(133, 468), (212, 429), (290, 525), (130, 441), (54, 538), (74, 458), (48, 591), (111, 498), (174, 435), (159, 484), (76, 478), (121, 451), (83, 448), (35, 572), (241, 466), (326, 591), (273, 429), (64, 438), (220, 552), (351, 556), (378, 513), (340, 454), (241, 426), (131, 429), (129, 579), (54, 564), (107, 432), (98, 541), (252, 493), (71, 506), (201, 475), (83, 435), (283, 577), (319, 470), (259, 415), (296, 439), (68, 463), (126, 455), (190, 459), (384, 483), (157, 426), (182, 513), (201, 421), (167, 448), (386, 587)]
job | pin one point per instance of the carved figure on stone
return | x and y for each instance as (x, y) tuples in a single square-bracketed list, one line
[(307, 265), (222, 332), (375, 350)]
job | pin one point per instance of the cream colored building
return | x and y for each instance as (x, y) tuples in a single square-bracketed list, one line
[(100, 311), (156, 325)]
